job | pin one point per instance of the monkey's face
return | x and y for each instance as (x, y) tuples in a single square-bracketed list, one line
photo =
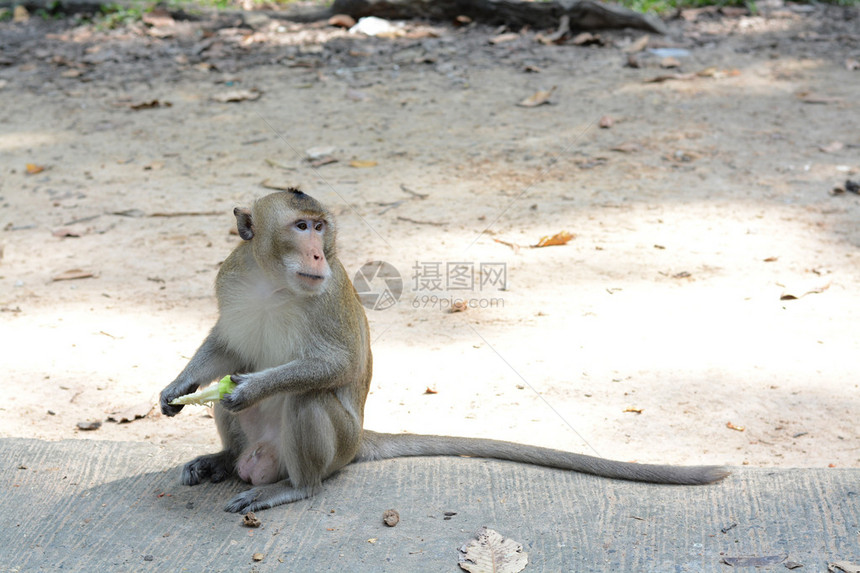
[(292, 238), (300, 251)]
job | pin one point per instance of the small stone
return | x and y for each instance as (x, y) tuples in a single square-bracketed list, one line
[(390, 517)]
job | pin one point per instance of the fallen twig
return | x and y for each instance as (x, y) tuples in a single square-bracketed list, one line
[(408, 220), (187, 214)]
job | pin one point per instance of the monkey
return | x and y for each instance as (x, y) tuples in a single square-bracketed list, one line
[(293, 335)]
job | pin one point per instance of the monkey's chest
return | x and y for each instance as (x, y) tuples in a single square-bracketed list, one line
[(263, 333)]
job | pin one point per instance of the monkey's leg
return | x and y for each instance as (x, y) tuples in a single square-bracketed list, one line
[(215, 467), (266, 496), (318, 436)]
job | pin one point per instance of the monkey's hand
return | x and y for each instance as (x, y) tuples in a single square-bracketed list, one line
[(240, 398), (173, 391)]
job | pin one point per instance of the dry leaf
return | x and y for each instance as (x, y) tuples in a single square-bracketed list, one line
[(832, 147), (342, 21), (537, 98), (713, 72), (322, 161), (627, 147), (809, 97), (514, 246), (633, 410), (502, 38), (163, 32), (851, 186), (771, 259), (32, 168), (362, 163), (667, 77), (66, 232), (419, 33), (587, 39), (803, 290), (430, 390), (731, 426), (158, 17), (492, 553), (131, 414), (276, 186), (72, 274), (843, 567), (232, 96), (638, 45), (278, 165), (251, 520), (151, 104), (560, 238), (20, 14)]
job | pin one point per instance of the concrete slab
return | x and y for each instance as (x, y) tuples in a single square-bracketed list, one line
[(109, 506)]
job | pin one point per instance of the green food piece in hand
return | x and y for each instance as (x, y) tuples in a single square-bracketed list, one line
[(208, 395)]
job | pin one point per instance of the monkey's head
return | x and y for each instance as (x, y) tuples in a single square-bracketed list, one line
[(292, 237)]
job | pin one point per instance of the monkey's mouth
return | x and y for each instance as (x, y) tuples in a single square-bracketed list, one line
[(311, 277)]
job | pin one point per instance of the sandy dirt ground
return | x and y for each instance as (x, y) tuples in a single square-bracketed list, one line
[(664, 331)]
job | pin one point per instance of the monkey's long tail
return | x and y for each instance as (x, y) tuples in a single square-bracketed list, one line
[(377, 446)]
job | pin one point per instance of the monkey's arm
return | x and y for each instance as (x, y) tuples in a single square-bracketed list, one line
[(211, 361), (301, 375)]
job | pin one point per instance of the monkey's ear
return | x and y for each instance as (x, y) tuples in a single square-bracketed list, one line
[(244, 223)]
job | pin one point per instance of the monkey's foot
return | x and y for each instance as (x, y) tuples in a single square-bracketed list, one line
[(215, 467), (266, 496)]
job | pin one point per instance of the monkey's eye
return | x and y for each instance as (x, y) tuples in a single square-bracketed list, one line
[(302, 225), (319, 226)]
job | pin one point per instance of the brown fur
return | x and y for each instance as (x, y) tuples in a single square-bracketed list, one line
[(294, 337)]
